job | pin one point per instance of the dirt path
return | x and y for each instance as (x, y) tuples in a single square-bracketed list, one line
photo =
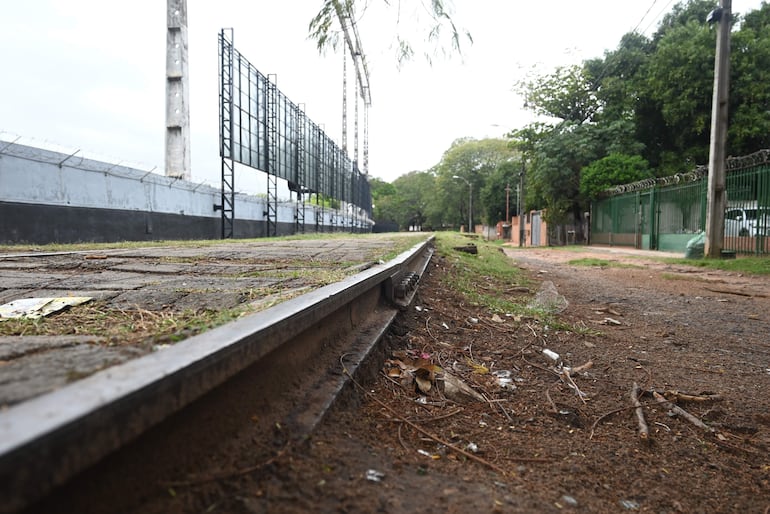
[(545, 442)]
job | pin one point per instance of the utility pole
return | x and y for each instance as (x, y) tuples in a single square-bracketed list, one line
[(177, 93), (507, 202), (521, 206), (716, 197)]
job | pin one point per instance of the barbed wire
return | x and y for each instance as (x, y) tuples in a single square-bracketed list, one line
[(732, 164)]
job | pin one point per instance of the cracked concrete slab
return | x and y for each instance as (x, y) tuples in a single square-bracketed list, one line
[(172, 278)]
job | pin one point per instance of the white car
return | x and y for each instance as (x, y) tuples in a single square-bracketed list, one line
[(743, 221)]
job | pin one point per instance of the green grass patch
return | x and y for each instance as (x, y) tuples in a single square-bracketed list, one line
[(123, 326), (602, 263), (483, 278), (747, 265), (678, 276)]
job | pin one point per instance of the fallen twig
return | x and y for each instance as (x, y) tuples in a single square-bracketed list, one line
[(677, 395), (449, 445), (737, 293), (427, 328), (582, 367), (644, 430), (681, 412), (432, 418), (572, 385), (606, 415)]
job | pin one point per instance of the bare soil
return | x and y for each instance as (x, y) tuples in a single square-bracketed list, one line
[(549, 441)]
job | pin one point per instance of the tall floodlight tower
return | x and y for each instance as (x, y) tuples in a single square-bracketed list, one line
[(353, 42), (177, 92)]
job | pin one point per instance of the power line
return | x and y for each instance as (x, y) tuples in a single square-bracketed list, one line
[(657, 17), (645, 15)]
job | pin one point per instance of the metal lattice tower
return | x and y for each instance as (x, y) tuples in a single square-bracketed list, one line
[(355, 130), (177, 92), (353, 40), (299, 217), (366, 140), (225, 140), (272, 156), (344, 99)]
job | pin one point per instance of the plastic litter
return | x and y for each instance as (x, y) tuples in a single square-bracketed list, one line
[(33, 308), (696, 247), (504, 379), (551, 354), (549, 299)]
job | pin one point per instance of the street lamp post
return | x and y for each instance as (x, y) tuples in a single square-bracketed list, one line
[(470, 202), (521, 207)]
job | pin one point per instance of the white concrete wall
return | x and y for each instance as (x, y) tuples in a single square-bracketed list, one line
[(34, 176)]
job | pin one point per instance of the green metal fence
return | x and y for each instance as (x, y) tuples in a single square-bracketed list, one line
[(665, 213)]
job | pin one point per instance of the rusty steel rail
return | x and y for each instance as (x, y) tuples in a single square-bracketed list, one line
[(48, 440)]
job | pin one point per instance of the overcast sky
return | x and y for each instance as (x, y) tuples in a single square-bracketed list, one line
[(90, 74)]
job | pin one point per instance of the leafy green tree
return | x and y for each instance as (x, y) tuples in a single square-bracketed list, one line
[(749, 127), (414, 191), (473, 161), (680, 78), (566, 94), (498, 195), (384, 200), (684, 13), (612, 170)]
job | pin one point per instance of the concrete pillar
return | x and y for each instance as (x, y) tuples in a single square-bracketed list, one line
[(177, 92)]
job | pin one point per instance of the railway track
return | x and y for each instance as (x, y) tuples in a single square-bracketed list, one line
[(278, 369)]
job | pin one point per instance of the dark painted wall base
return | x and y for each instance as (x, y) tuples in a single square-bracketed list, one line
[(42, 224)]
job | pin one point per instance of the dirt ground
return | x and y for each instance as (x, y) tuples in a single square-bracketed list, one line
[(549, 440)]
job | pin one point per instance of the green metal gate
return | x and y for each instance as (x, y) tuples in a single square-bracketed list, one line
[(665, 213)]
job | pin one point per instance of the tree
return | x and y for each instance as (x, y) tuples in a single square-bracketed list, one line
[(475, 161), (414, 191), (323, 28), (749, 128), (616, 77), (493, 195), (613, 170), (566, 94), (680, 78), (684, 13), (384, 200)]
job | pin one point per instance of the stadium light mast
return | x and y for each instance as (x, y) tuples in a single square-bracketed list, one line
[(353, 43), (177, 92)]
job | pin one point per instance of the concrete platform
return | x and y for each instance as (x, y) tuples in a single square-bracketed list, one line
[(162, 279)]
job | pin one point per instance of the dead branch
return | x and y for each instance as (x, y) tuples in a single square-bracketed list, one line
[(432, 418), (681, 412), (449, 445), (427, 328), (673, 395), (496, 403), (737, 293), (644, 430), (606, 415), (553, 405), (565, 376), (582, 367)]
